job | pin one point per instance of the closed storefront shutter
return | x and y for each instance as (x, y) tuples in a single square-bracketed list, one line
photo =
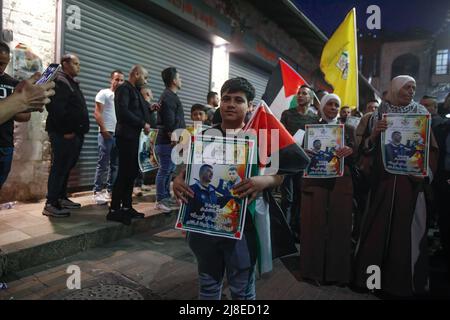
[(116, 36), (257, 76)]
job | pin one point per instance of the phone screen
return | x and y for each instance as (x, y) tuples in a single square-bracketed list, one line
[(48, 74)]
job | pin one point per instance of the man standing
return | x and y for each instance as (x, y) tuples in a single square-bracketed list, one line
[(294, 120), (105, 115), (212, 105), (133, 115), (171, 118), (344, 114), (67, 123), (7, 86)]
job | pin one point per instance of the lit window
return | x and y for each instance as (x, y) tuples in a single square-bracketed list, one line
[(442, 62)]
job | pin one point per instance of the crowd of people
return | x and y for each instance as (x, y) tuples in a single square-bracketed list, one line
[(367, 217)]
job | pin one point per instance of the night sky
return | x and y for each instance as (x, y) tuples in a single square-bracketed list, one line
[(397, 16)]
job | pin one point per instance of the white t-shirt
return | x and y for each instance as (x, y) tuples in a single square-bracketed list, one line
[(106, 97)]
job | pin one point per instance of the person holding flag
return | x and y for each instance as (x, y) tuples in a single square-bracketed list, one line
[(237, 257)]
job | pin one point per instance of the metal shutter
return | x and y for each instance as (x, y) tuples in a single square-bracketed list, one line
[(257, 77), (115, 36)]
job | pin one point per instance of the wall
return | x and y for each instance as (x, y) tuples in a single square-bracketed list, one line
[(33, 23), (391, 50)]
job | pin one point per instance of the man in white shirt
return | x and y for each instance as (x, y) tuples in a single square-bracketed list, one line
[(105, 115)]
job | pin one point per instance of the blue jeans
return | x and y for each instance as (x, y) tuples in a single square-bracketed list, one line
[(65, 154), (107, 164), (216, 255), (166, 168), (6, 157)]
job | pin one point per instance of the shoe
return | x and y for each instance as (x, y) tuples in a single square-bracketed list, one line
[(118, 216), (99, 199), (55, 211), (134, 214), (69, 204), (107, 195), (162, 207), (137, 191), (146, 188), (172, 202)]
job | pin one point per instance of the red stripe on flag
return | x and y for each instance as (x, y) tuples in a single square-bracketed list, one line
[(292, 81)]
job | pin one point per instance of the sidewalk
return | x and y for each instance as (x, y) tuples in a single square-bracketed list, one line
[(27, 238)]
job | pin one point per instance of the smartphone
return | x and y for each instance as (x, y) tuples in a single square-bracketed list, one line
[(49, 74)]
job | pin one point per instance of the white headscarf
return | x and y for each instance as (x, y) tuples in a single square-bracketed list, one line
[(396, 84), (325, 99)]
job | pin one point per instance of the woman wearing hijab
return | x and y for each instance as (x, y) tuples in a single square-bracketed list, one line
[(393, 231), (326, 206)]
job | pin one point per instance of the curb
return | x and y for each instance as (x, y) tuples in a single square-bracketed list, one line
[(31, 253)]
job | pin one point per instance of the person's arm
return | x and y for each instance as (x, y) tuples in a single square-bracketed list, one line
[(26, 95), (121, 100), (253, 186), (181, 189), (168, 116), (98, 115), (22, 117)]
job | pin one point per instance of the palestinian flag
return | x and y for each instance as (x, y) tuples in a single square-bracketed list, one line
[(282, 89), (274, 236), (290, 156)]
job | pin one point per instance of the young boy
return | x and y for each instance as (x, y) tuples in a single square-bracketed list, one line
[(216, 255), (198, 113)]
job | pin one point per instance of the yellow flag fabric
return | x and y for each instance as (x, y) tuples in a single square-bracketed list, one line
[(339, 61)]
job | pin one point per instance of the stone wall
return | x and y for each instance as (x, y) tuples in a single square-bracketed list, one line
[(33, 24)]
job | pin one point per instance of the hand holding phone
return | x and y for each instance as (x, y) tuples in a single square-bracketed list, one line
[(49, 74)]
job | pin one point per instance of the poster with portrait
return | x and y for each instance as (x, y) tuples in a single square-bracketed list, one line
[(323, 141), (147, 157), (215, 166), (406, 143)]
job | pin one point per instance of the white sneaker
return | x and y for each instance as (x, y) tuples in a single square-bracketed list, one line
[(162, 207), (107, 195), (99, 199)]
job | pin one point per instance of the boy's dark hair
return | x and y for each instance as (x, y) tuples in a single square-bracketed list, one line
[(211, 95), (168, 75), (239, 84), (4, 48), (198, 107), (204, 167), (116, 71)]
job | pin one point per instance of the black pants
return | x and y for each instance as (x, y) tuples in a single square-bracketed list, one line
[(128, 171), (65, 154), (290, 200)]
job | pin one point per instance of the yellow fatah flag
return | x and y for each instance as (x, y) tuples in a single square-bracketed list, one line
[(339, 61)]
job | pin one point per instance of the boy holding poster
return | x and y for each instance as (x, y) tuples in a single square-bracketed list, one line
[(215, 255)]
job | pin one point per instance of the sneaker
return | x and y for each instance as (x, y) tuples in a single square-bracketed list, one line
[(133, 213), (99, 199), (172, 202), (137, 191), (69, 204), (55, 211), (118, 216), (107, 195), (162, 207)]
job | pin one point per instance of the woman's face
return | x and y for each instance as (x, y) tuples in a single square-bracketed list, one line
[(406, 94), (331, 109)]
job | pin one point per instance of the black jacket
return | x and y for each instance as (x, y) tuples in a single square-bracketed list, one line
[(170, 116), (132, 111), (67, 111)]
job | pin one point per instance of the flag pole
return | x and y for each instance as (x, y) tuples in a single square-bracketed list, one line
[(357, 58)]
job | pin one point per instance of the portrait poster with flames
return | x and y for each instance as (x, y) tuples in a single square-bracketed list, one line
[(216, 165), (323, 141), (406, 144)]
